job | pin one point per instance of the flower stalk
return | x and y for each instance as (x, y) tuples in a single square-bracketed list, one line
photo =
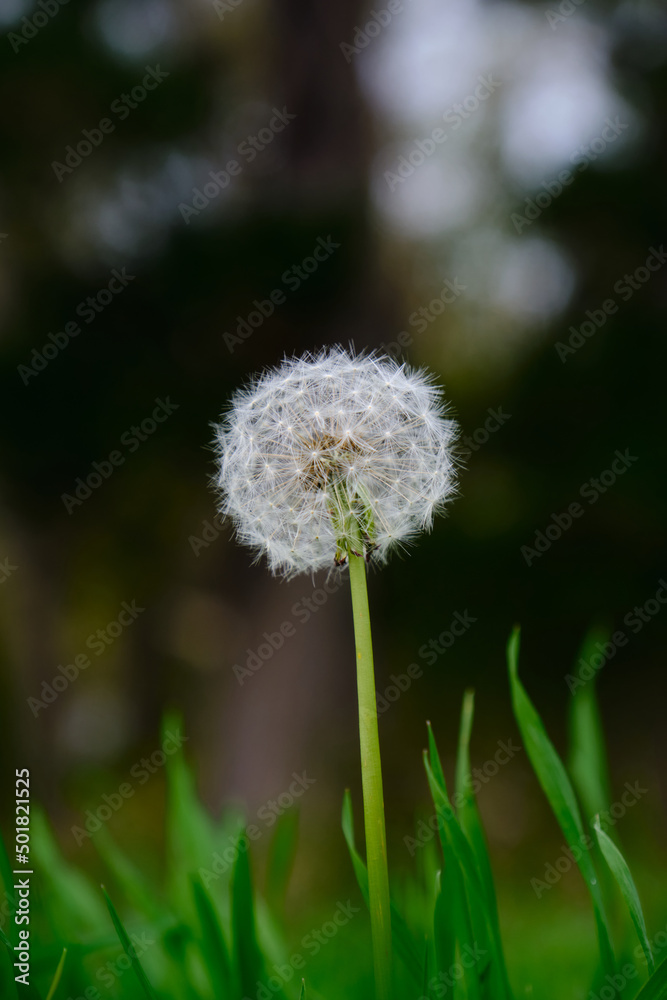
[(371, 776)]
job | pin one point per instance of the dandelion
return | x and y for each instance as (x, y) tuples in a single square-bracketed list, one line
[(335, 459), (333, 453)]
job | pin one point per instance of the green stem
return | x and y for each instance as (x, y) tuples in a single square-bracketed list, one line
[(371, 775)]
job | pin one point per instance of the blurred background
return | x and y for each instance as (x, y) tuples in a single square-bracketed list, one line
[(483, 183)]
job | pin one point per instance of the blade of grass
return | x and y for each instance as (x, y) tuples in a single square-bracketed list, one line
[(656, 987), (452, 829), (467, 812), (426, 992), (467, 896), (619, 869), (302, 994), (404, 943), (129, 878), (454, 839), (471, 824), (71, 900), (448, 889), (191, 836), (58, 974), (247, 953), (347, 823), (434, 758), (129, 949), (214, 946), (429, 863), (587, 760), (455, 906), (555, 783), (281, 859)]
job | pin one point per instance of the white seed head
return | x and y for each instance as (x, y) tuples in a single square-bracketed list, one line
[(331, 453)]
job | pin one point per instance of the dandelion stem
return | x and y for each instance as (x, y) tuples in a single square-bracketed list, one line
[(371, 775)]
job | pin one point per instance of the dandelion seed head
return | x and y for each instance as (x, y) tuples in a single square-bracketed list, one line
[(331, 446)]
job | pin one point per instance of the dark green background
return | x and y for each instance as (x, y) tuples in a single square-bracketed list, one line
[(163, 337)]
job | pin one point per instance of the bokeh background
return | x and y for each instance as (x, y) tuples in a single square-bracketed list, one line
[(501, 251)]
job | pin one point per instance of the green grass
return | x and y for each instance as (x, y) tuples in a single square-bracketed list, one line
[(202, 931)]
